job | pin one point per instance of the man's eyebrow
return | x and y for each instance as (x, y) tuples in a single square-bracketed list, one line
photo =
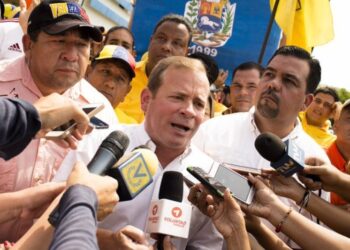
[(292, 76), (270, 69)]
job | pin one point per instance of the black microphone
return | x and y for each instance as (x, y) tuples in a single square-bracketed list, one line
[(168, 215), (286, 157), (171, 187), (110, 151)]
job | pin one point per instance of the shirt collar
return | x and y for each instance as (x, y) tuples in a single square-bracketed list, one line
[(292, 134), (144, 139)]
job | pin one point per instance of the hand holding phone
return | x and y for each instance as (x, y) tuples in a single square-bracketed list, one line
[(243, 170), (239, 186), (66, 129), (210, 183)]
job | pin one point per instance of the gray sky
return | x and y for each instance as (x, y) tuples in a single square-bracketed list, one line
[(335, 55)]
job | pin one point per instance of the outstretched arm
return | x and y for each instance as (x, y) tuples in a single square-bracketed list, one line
[(267, 205)]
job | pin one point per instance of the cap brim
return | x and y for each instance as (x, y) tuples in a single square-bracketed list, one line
[(126, 64), (64, 25)]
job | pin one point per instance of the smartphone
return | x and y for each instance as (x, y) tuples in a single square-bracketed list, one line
[(98, 124), (243, 169), (210, 183), (240, 187), (64, 130)]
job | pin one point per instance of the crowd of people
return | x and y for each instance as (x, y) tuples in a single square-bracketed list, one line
[(53, 61)]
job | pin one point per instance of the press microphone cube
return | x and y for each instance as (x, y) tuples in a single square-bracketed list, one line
[(291, 162), (169, 218), (133, 176)]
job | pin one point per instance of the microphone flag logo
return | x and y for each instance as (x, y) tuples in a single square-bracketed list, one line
[(155, 209), (176, 212)]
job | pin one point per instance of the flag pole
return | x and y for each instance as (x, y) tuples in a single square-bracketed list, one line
[(268, 31)]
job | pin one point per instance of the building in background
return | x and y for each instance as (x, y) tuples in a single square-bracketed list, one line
[(108, 13)]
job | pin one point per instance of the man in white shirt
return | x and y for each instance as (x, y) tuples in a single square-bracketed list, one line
[(174, 105), (285, 88)]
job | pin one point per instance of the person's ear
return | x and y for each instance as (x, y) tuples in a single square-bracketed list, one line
[(146, 97), (307, 101), (27, 43), (129, 88)]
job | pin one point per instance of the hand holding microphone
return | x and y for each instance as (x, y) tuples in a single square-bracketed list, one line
[(331, 179), (110, 151), (104, 187)]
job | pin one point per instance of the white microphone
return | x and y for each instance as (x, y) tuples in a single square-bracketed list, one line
[(168, 215)]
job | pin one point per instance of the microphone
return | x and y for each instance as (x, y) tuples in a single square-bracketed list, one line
[(134, 172), (110, 151), (286, 157), (168, 215)]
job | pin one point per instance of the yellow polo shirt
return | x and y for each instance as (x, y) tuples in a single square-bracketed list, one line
[(320, 134), (132, 102), (219, 108), (124, 118)]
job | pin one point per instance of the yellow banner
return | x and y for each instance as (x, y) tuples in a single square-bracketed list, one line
[(306, 23)]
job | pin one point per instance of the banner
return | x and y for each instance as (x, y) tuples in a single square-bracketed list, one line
[(306, 23), (232, 32)]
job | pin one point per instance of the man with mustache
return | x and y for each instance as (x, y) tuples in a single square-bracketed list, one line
[(245, 79), (285, 89), (57, 47)]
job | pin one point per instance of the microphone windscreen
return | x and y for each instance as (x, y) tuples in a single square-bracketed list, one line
[(270, 146), (117, 142), (171, 187)]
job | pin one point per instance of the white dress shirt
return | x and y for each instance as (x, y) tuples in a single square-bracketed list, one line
[(230, 139), (202, 235)]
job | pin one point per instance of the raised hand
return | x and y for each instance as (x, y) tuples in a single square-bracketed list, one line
[(104, 186)]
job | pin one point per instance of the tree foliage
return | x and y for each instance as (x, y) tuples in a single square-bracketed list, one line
[(343, 94)]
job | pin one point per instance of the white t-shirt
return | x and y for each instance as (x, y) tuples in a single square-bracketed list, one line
[(11, 34)]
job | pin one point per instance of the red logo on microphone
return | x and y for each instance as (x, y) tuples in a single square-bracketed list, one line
[(176, 212), (155, 209)]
